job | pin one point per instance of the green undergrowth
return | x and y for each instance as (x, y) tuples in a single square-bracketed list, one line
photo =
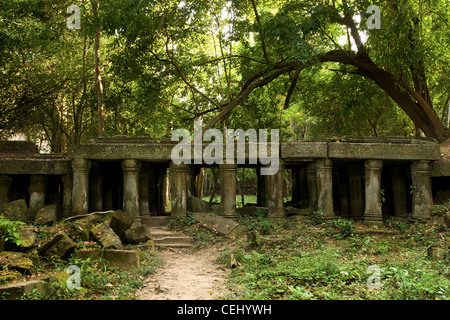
[(312, 258), (98, 281)]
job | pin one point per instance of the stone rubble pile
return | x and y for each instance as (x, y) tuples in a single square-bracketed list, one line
[(96, 235)]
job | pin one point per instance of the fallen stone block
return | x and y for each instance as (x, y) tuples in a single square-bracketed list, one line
[(82, 227), (16, 210), (120, 222), (221, 225), (60, 246), (125, 259), (27, 239), (14, 291), (7, 276), (138, 234), (17, 261), (46, 215), (106, 237)]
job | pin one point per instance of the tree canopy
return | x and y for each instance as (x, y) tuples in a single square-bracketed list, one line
[(309, 68)]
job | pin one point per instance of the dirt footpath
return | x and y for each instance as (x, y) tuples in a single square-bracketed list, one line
[(185, 275)]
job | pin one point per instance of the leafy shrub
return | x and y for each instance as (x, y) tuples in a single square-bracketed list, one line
[(317, 217), (345, 226), (9, 230)]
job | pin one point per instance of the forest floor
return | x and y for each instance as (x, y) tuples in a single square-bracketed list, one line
[(306, 257)]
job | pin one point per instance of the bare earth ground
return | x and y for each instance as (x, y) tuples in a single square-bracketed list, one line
[(185, 275)]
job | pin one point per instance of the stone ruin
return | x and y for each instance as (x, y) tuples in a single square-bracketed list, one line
[(339, 177)]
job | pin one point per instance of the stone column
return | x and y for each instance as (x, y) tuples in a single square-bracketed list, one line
[(131, 189), (165, 192), (311, 178), (399, 191), (421, 184), (356, 190), (5, 185), (274, 192), (179, 178), (37, 191), (144, 209), (67, 181), (95, 189), (373, 214), (80, 187), (228, 190), (324, 173)]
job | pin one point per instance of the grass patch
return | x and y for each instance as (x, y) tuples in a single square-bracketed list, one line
[(309, 258)]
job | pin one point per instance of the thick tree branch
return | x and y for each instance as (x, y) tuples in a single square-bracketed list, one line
[(291, 88), (246, 90)]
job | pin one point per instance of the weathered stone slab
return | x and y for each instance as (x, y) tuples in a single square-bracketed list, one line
[(222, 226), (60, 246), (381, 151), (27, 238), (82, 227), (440, 169), (17, 261), (303, 150), (125, 259), (138, 234), (135, 151), (16, 210), (46, 215), (106, 237), (120, 222), (13, 291), (42, 166)]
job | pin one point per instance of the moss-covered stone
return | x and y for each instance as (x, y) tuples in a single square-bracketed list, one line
[(16, 210), (138, 234), (7, 276), (60, 246), (17, 261), (106, 237)]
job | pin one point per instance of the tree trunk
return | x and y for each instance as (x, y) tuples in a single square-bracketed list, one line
[(410, 101), (98, 78)]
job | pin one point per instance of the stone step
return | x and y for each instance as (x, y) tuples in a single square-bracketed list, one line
[(166, 238)]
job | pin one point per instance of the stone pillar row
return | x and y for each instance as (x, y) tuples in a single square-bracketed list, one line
[(364, 189), (140, 197)]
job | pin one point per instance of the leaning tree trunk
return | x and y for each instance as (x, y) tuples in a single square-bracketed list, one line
[(409, 100)]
